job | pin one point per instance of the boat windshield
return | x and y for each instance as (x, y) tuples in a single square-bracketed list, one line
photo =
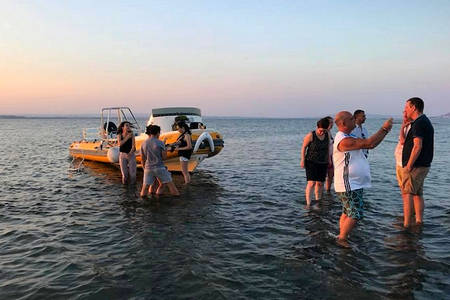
[(111, 117)]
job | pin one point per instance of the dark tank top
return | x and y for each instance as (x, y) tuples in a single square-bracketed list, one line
[(318, 150), (126, 147), (185, 153)]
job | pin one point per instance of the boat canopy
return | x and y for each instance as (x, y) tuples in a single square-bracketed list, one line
[(176, 111), (167, 117)]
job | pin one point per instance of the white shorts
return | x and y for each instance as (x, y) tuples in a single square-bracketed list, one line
[(161, 173), (182, 158)]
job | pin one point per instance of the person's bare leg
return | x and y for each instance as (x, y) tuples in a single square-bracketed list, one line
[(144, 190), (341, 221), (407, 209), (347, 226), (318, 190), (123, 163), (309, 188), (173, 189), (329, 181), (185, 171), (160, 189), (418, 208), (154, 187)]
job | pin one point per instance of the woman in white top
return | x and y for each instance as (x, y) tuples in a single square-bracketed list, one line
[(406, 125)]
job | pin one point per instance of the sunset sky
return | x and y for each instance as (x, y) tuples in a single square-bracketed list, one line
[(229, 58)]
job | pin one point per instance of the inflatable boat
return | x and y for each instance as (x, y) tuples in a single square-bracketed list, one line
[(100, 144)]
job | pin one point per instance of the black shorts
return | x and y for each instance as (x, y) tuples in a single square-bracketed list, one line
[(315, 171)]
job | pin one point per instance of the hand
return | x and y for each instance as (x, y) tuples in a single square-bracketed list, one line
[(405, 123), (164, 140), (302, 164), (388, 124)]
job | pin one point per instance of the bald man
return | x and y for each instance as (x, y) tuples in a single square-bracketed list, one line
[(351, 170)]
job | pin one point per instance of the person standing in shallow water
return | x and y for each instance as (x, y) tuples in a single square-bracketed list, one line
[(352, 171), (127, 147), (184, 148), (417, 156), (404, 129), (153, 152), (360, 131), (315, 159), (330, 170)]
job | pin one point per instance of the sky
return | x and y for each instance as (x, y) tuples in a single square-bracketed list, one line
[(229, 58)]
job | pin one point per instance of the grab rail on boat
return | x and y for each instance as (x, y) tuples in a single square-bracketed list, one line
[(204, 136)]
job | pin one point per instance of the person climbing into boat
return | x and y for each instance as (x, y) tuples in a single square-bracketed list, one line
[(127, 158), (315, 159), (330, 171), (153, 151), (184, 147)]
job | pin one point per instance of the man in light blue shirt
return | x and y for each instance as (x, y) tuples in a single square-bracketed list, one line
[(360, 132), (153, 152)]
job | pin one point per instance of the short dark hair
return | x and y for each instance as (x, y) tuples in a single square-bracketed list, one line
[(323, 123), (417, 103), (152, 129), (357, 112)]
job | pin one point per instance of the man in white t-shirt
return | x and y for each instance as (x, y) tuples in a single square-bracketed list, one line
[(351, 170)]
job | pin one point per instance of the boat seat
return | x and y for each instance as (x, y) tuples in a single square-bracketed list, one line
[(197, 125), (110, 127)]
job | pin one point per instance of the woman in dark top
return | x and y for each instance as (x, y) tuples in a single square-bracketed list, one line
[(315, 159), (127, 158), (184, 147)]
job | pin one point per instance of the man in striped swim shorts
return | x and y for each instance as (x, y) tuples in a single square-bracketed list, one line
[(352, 170)]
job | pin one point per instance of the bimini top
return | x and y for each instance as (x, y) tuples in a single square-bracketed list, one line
[(175, 111)]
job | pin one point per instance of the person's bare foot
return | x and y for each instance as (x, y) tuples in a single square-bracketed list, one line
[(343, 243)]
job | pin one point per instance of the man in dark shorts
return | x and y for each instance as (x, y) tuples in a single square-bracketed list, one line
[(352, 171), (417, 156)]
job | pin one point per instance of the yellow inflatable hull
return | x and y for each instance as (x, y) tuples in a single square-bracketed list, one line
[(100, 150)]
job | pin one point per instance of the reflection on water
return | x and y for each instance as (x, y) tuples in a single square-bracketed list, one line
[(240, 230)]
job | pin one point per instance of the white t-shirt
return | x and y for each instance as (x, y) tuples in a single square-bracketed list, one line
[(361, 133), (351, 168), (399, 149)]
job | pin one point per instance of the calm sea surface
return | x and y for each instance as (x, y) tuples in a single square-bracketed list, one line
[(240, 231)]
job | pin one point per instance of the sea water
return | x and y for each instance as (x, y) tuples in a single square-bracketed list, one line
[(239, 231)]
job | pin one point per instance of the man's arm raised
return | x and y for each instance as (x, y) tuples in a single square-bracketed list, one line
[(349, 144)]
